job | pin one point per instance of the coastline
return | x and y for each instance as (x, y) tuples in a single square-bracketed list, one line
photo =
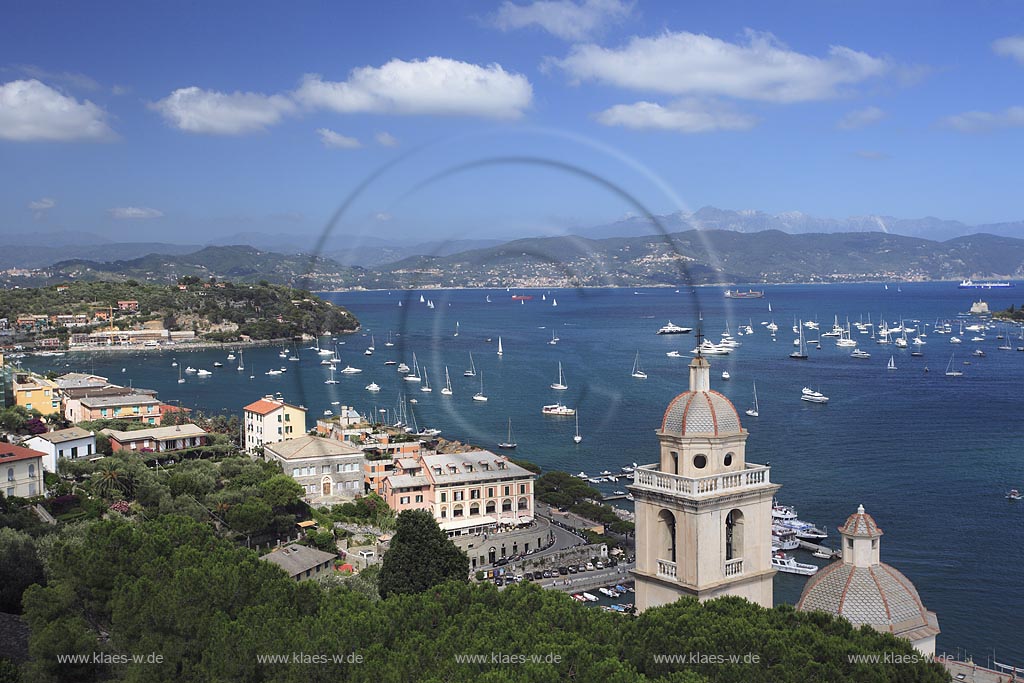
[(175, 348)]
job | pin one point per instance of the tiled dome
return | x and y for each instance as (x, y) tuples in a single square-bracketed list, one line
[(879, 596), (701, 413), (861, 523)]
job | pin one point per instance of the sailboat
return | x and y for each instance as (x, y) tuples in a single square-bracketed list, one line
[(389, 343), (754, 412), (800, 353), (241, 361), (414, 375), (479, 396), (560, 384), (426, 382), (500, 352), (577, 438), (472, 368), (447, 391), (554, 339), (950, 372), (331, 380), (456, 329), (637, 370), (181, 380), (554, 301), (508, 444), (892, 363)]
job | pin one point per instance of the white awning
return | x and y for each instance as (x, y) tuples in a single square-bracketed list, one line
[(466, 523), (525, 519)]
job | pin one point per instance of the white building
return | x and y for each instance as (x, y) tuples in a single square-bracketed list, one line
[(703, 513), (22, 471), (270, 420), (71, 443)]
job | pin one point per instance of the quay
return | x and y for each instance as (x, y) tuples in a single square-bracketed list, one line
[(814, 547)]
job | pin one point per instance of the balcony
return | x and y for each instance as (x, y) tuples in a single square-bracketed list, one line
[(754, 476), (733, 567), (666, 569)]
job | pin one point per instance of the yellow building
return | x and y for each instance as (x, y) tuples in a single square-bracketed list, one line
[(36, 393), (269, 420)]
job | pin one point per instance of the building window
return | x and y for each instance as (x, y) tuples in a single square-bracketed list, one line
[(419, 499), (325, 469), (668, 534), (728, 459), (874, 544), (490, 492), (404, 500), (295, 472), (287, 417), (459, 495), (31, 471), (507, 490), (10, 474), (474, 494), (849, 543), (74, 452), (700, 461), (522, 489), (734, 535), (444, 497)]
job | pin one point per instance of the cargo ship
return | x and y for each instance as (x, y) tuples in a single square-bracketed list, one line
[(749, 294)]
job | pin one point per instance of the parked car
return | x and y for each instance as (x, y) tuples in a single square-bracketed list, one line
[(563, 570), (573, 569), (499, 582), (582, 567), (590, 566), (598, 565)]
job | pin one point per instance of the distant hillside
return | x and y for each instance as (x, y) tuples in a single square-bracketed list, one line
[(708, 256), (234, 263)]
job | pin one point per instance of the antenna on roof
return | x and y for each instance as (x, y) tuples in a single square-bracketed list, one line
[(700, 341)]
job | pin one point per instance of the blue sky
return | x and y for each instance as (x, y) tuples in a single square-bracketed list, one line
[(192, 121)]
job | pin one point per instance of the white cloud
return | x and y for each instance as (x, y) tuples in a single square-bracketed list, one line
[(42, 204), (31, 110), (860, 118), (382, 216), (564, 18), (436, 85), (386, 139), (759, 68), (982, 121), (71, 79), (685, 116), (194, 110), (135, 212), (329, 138), (1011, 46)]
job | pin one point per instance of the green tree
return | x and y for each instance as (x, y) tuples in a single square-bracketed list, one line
[(250, 517), (19, 568), (420, 556), (280, 491)]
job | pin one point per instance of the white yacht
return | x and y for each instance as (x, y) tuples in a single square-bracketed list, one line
[(372, 386), (557, 409), (203, 373), (784, 538), (472, 368), (671, 328), (786, 563), (755, 411), (480, 396), (725, 374), (951, 371), (812, 396), (447, 390), (349, 370), (857, 353)]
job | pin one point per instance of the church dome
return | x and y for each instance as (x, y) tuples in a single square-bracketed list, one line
[(877, 595), (701, 413)]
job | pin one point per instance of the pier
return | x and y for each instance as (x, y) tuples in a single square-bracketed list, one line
[(814, 547)]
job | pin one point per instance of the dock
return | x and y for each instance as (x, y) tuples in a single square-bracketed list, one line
[(621, 496), (814, 547)]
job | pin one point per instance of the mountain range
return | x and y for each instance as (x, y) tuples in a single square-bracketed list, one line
[(674, 259), (42, 249)]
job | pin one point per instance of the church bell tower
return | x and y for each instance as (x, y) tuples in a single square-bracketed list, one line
[(703, 513)]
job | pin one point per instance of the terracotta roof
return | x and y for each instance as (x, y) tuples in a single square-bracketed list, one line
[(860, 523), (266, 406), (11, 453), (262, 406)]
